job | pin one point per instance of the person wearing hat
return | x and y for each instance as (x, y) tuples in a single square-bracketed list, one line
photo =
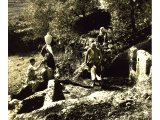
[(47, 52), (93, 60)]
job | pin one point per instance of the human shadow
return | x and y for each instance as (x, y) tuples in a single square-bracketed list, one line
[(27, 90), (116, 83), (24, 92), (29, 105), (67, 82)]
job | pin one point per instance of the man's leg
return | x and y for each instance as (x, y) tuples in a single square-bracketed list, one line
[(98, 77), (93, 74), (98, 74)]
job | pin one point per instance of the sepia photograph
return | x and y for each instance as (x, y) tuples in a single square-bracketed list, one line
[(79, 59)]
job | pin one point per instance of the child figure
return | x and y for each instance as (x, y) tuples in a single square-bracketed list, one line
[(31, 75), (31, 82)]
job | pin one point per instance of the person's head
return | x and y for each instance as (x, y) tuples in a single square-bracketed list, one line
[(32, 61), (48, 38), (48, 32), (101, 30), (93, 45)]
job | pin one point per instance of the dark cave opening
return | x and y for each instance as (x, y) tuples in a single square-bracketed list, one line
[(119, 67), (92, 21)]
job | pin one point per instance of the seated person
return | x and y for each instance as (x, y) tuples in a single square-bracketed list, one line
[(31, 82), (31, 76), (93, 60)]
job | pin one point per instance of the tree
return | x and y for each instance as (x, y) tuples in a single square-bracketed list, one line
[(82, 7), (39, 13)]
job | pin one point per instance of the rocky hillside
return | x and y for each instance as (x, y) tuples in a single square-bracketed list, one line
[(74, 24), (121, 104), (118, 98)]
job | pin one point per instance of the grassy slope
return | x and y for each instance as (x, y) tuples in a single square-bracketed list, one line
[(17, 66)]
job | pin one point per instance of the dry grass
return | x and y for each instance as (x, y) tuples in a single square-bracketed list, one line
[(17, 66)]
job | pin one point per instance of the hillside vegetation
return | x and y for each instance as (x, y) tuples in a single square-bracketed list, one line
[(73, 23)]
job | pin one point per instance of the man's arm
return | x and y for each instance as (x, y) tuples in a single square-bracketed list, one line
[(105, 37), (86, 56), (100, 54), (36, 68), (42, 50)]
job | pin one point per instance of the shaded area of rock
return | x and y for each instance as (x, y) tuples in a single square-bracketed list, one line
[(25, 92), (53, 117), (58, 93), (92, 21), (116, 83), (119, 66), (146, 45), (29, 105)]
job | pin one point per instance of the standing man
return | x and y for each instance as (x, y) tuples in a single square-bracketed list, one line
[(93, 60)]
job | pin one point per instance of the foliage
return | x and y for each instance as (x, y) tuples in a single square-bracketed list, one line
[(56, 16), (59, 16), (82, 7), (127, 14)]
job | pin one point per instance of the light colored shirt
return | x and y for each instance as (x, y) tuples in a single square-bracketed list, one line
[(49, 71), (49, 48), (94, 56), (31, 72)]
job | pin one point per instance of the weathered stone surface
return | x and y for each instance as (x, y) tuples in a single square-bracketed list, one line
[(132, 62), (123, 100), (112, 102), (140, 68), (119, 62)]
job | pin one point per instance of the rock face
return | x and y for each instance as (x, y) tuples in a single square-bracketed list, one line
[(142, 66), (31, 104), (134, 62), (99, 105), (119, 66), (54, 92), (93, 21), (140, 61), (129, 103)]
